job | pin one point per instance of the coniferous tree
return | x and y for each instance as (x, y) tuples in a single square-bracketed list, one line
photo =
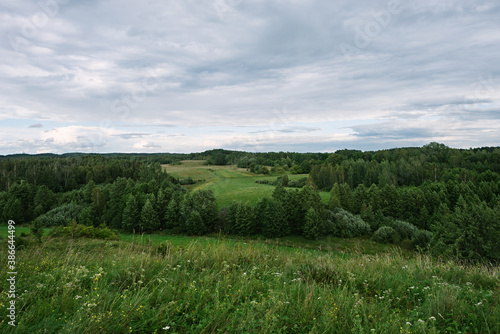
[(173, 214), (312, 226), (335, 197), (161, 205), (149, 218), (279, 193), (244, 222), (131, 214), (274, 224)]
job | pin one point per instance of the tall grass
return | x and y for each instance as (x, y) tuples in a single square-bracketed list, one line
[(90, 286)]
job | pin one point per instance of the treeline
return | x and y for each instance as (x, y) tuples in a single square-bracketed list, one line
[(453, 193), (433, 197), (407, 166), (65, 174)]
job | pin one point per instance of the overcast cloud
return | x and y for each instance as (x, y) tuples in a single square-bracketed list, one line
[(255, 75)]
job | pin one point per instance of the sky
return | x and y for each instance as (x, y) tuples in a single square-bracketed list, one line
[(253, 75)]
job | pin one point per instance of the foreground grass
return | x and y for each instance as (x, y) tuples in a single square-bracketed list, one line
[(212, 286)]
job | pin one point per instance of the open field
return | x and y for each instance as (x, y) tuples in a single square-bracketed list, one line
[(19, 229), (228, 182), (209, 285)]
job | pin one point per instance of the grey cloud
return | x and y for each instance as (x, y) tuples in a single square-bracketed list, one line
[(131, 135), (387, 130), (224, 66)]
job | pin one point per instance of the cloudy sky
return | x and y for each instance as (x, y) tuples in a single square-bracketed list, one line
[(254, 75)]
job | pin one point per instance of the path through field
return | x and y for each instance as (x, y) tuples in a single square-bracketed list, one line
[(227, 182)]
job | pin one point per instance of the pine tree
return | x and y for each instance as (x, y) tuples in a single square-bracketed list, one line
[(368, 216), (131, 214), (149, 218), (274, 224), (279, 193), (335, 197), (312, 226), (173, 214), (244, 223), (161, 205)]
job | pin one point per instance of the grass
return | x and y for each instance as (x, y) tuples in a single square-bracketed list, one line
[(228, 182), (4, 229), (203, 285)]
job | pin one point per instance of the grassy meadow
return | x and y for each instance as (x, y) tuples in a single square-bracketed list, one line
[(166, 284), (228, 183), (215, 284)]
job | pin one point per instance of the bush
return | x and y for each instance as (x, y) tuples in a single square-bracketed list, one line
[(60, 215), (422, 239), (349, 225), (404, 229), (297, 183), (81, 231), (265, 182), (187, 181), (386, 235)]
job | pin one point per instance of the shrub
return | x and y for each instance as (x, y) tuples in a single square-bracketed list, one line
[(265, 182), (60, 215), (422, 239), (385, 235), (81, 231), (404, 229), (297, 183), (349, 225), (187, 181)]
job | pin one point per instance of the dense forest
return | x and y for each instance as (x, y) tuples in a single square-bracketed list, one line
[(431, 198)]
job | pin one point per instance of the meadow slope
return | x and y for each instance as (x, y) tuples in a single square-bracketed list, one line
[(209, 285)]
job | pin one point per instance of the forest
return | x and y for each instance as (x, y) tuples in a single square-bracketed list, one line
[(433, 198)]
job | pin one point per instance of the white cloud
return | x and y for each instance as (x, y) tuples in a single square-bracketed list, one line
[(223, 64)]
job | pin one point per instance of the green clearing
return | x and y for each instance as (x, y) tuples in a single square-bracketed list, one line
[(228, 183), (211, 285), (4, 229)]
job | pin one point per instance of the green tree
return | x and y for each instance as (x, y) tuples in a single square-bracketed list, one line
[(149, 218), (131, 214), (195, 224), (335, 197), (173, 213), (204, 202), (14, 211), (161, 205), (45, 199), (279, 193), (313, 224), (274, 224), (244, 222)]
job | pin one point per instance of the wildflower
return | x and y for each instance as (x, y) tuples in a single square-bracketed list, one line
[(166, 327), (432, 318), (420, 320), (408, 323)]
